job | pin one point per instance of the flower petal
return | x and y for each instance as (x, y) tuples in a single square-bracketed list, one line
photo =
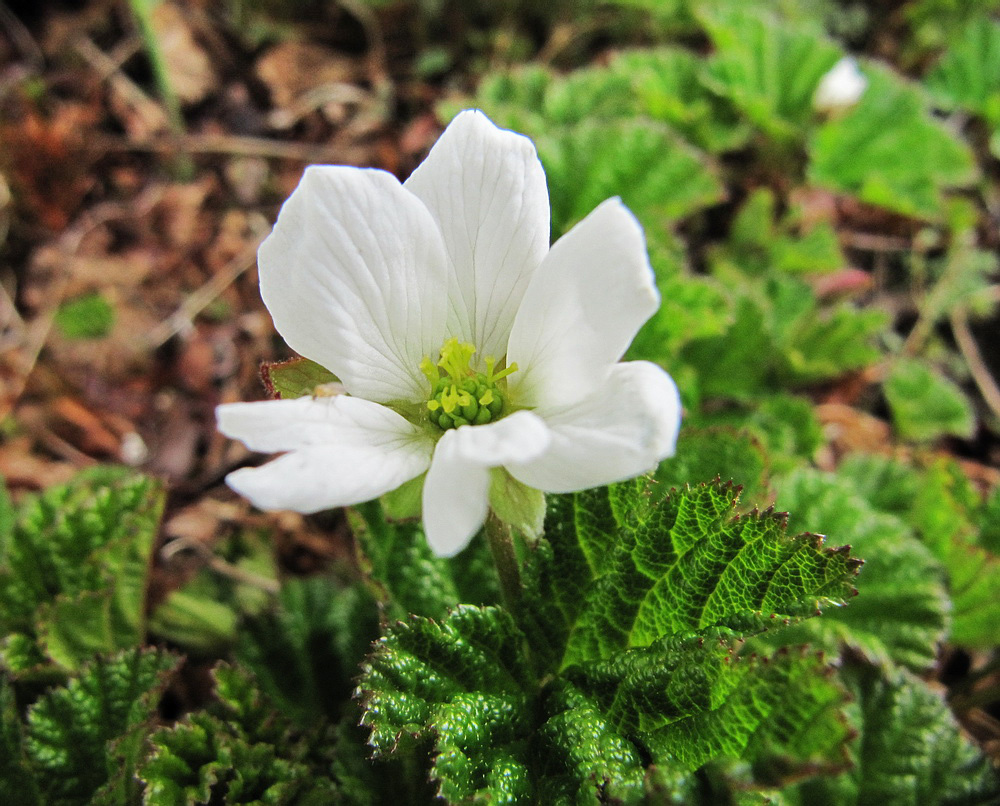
[(344, 451), (623, 430), (583, 307), (284, 425), (486, 189), (456, 490), (355, 276), (323, 477)]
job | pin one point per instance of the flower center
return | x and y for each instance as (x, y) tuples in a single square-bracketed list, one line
[(462, 396)]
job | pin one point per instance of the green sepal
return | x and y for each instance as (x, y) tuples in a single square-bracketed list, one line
[(296, 377), (517, 504)]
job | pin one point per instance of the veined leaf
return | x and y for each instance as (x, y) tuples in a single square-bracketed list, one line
[(668, 84), (408, 578), (942, 509), (926, 405), (910, 749), (76, 734), (76, 568), (968, 75), (685, 563), (625, 649), (890, 152), (658, 176), (902, 609), (305, 651), (769, 69), (239, 751)]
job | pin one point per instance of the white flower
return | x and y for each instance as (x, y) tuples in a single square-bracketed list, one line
[(842, 86), (386, 284)]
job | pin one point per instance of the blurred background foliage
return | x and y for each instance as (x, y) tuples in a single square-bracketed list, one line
[(830, 288)]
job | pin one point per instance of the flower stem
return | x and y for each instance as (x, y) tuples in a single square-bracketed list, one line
[(501, 542)]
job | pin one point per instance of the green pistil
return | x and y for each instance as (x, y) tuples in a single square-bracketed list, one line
[(463, 396)]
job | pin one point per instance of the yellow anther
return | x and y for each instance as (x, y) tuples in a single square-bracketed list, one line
[(455, 357), (433, 405), (430, 370), (487, 398)]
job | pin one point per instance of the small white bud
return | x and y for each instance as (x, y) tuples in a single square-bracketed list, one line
[(841, 87)]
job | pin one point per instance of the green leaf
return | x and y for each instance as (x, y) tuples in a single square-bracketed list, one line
[(306, 650), (659, 177), (87, 317), (926, 405), (943, 509), (18, 785), (409, 578), (75, 732), (77, 567), (584, 735), (968, 75), (686, 563), (769, 69), (761, 245), (630, 615), (901, 612), (296, 377), (202, 616), (909, 749), (668, 84), (733, 365), (705, 453), (889, 151), (239, 751)]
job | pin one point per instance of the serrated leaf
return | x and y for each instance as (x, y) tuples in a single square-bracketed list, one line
[(704, 453), (688, 563), (18, 785), (409, 578), (296, 377), (889, 151), (239, 751), (77, 566), (629, 612), (901, 612), (910, 749), (668, 84), (583, 736), (658, 176), (941, 507), (968, 75), (769, 69), (760, 244), (70, 729), (305, 651), (925, 404)]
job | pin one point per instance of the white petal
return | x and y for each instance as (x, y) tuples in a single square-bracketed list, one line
[(456, 490), (583, 307), (486, 189), (344, 451), (355, 276), (623, 430), (284, 425), (323, 477)]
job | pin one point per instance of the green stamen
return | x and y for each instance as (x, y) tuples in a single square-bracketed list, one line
[(463, 396)]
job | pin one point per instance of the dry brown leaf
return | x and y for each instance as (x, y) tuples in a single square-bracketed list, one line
[(191, 73)]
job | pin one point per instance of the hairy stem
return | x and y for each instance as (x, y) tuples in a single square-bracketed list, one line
[(501, 542)]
